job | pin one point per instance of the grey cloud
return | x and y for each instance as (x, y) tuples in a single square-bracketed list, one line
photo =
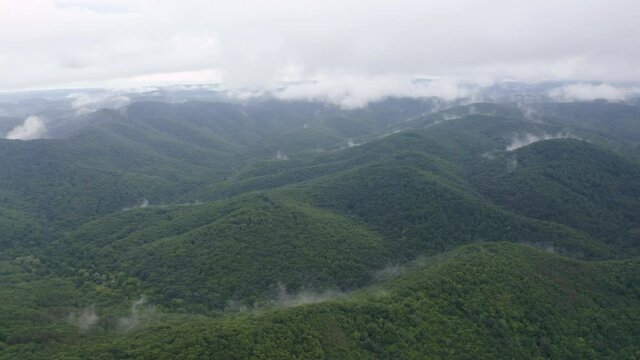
[(590, 92), (357, 91), (519, 141), (85, 102), (253, 43)]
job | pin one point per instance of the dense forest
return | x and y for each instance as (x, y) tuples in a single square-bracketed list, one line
[(300, 230)]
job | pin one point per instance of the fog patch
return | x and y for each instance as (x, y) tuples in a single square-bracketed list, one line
[(389, 272), (397, 131), (448, 117), (519, 141), (85, 102), (286, 299), (547, 246), (236, 306), (528, 112), (590, 92), (140, 314), (552, 248), (85, 319), (192, 203), (144, 203), (488, 155), (351, 143), (32, 128), (392, 271), (357, 91), (281, 156)]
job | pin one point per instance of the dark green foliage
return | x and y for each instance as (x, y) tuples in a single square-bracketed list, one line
[(570, 182), (18, 230), (490, 301), (204, 256), (225, 278), (615, 121), (109, 160), (422, 212)]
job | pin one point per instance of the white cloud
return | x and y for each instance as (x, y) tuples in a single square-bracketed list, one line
[(32, 128), (256, 43), (519, 141), (85, 319), (357, 91), (589, 92), (85, 102)]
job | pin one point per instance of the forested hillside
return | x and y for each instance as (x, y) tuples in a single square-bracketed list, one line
[(492, 301), (279, 229)]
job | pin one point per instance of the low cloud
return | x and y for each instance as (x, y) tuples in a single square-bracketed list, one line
[(32, 128), (85, 319), (519, 141), (352, 92), (84, 102), (589, 92), (351, 143), (140, 314), (389, 272), (281, 156), (528, 112), (284, 298), (141, 205)]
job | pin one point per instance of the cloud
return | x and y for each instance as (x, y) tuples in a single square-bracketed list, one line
[(84, 320), (519, 141), (255, 43), (286, 299), (281, 156), (144, 203), (353, 91), (140, 314), (589, 92), (85, 102), (32, 128)]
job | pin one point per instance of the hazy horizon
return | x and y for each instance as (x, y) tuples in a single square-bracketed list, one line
[(48, 44)]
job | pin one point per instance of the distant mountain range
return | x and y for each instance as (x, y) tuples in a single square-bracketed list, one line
[(410, 228)]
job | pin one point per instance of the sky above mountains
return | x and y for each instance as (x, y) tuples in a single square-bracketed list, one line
[(364, 44)]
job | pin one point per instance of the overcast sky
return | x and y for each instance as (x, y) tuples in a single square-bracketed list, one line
[(258, 43)]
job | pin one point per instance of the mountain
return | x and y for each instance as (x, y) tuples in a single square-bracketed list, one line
[(571, 182), (157, 152), (205, 228), (496, 300)]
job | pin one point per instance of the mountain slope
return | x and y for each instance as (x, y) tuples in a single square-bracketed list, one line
[(205, 256), (143, 234), (570, 182), (482, 301), (102, 162)]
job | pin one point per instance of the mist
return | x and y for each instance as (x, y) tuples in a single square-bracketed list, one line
[(304, 297), (590, 92), (32, 128), (140, 314), (84, 319), (85, 102), (353, 92), (144, 203), (519, 141)]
